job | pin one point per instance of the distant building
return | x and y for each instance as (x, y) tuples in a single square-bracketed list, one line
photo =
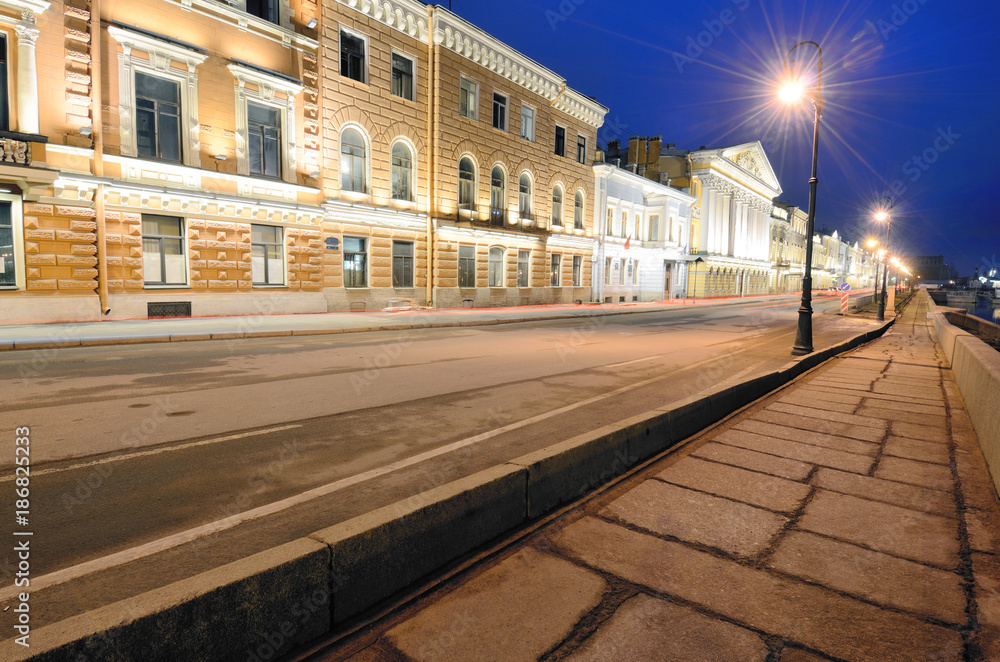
[(932, 268)]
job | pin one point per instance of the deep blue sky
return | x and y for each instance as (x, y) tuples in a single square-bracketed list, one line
[(897, 76)]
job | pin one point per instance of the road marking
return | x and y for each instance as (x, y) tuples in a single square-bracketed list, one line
[(618, 365), (156, 451), (177, 539)]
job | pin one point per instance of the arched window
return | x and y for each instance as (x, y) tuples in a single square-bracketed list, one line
[(402, 172), (524, 196), (578, 211), (496, 267), (353, 159), (466, 184), (557, 206), (498, 195)]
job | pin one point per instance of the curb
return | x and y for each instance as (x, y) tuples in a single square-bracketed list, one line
[(25, 345), (274, 601)]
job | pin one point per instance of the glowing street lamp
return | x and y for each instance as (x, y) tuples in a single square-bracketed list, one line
[(886, 216), (790, 93)]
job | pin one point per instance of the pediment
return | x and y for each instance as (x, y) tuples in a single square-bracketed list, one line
[(752, 159)]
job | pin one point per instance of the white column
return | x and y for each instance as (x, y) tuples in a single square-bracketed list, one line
[(27, 78)]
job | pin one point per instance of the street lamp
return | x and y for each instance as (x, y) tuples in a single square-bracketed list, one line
[(872, 243), (884, 215), (791, 92)]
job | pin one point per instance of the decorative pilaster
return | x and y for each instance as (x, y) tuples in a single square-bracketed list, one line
[(27, 78)]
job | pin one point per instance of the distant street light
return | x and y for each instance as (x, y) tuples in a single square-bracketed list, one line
[(790, 93), (872, 243), (884, 215)]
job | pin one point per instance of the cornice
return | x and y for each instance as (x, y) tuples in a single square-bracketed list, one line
[(22, 6), (406, 16), (244, 75), (135, 41), (222, 11)]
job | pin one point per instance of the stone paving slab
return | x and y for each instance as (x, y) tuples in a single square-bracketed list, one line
[(798, 655), (852, 419), (749, 487), (832, 391), (887, 491), (815, 424), (808, 437), (645, 628), (984, 530), (733, 527), (884, 527), (986, 570), (877, 577), (821, 395), (905, 405), (826, 457), (815, 617), (925, 451), (748, 459), (919, 432), (804, 400), (906, 390), (496, 615), (909, 417), (925, 474)]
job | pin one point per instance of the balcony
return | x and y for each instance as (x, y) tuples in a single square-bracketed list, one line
[(500, 219), (16, 148)]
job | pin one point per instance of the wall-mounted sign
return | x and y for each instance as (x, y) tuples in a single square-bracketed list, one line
[(332, 244)]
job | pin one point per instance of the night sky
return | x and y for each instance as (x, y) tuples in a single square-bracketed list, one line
[(912, 98)]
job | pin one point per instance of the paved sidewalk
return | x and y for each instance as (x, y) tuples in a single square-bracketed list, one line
[(116, 332), (848, 517)]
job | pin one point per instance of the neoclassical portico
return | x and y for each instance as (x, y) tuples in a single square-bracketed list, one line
[(735, 187)]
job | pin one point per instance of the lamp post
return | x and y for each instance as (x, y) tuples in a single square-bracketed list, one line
[(791, 92), (872, 243), (884, 216)]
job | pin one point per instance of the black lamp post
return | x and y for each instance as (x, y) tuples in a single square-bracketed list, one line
[(884, 216), (804, 335)]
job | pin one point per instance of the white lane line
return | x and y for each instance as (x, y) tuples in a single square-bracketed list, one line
[(618, 365), (177, 539), (155, 451)]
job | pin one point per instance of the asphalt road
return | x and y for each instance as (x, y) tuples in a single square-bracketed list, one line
[(153, 463)]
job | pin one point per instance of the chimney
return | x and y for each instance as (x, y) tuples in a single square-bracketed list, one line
[(635, 145), (653, 159)]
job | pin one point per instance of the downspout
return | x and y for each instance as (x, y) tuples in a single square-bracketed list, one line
[(97, 113), (432, 143)]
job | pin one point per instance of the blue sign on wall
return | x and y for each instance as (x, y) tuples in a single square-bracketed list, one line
[(332, 244)]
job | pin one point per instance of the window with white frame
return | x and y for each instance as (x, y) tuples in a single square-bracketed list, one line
[(403, 67), (607, 271), (466, 184), (524, 196), (556, 270), (527, 122), (468, 98), (496, 265), (557, 206), (578, 210), (560, 144), (635, 272), (265, 121), (402, 264), (581, 149), (265, 9), (353, 56), (163, 261), (523, 268), (624, 229), (8, 264), (654, 227), (610, 225), (165, 105), (466, 266), (355, 262), (353, 161), (498, 195), (577, 271), (499, 111), (402, 171), (267, 255)]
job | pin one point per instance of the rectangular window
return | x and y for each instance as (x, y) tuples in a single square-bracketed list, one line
[(7, 272), (560, 141), (4, 100), (402, 264), (163, 250), (264, 140), (468, 98), (581, 149), (157, 117), (402, 76), (635, 272), (499, 111), (352, 57), (466, 266), (654, 228), (607, 271), (496, 266), (621, 272), (265, 9), (577, 270), (267, 255), (556, 269), (528, 123), (624, 224), (355, 262), (523, 268), (611, 223)]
